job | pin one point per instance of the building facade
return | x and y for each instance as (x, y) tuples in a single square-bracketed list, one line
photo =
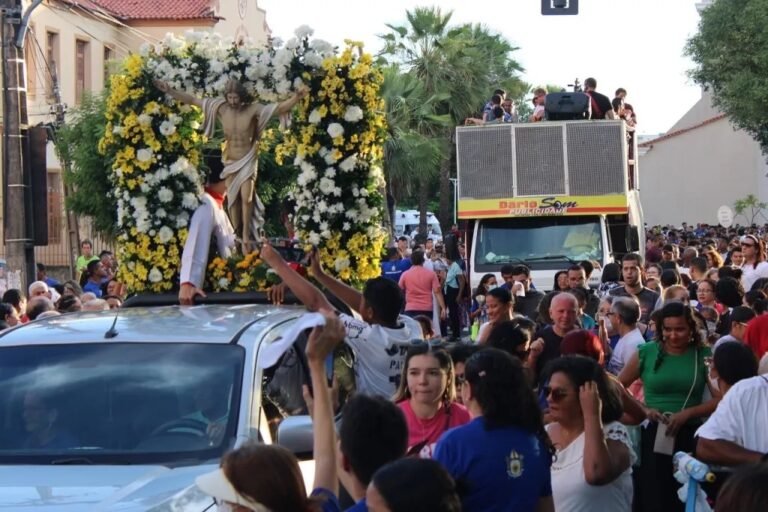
[(700, 164), (77, 44)]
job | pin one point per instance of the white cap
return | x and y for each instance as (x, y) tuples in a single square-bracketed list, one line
[(216, 485)]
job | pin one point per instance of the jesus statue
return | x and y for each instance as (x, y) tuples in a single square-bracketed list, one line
[(242, 124)]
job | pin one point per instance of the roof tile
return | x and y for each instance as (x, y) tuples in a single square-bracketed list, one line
[(155, 9)]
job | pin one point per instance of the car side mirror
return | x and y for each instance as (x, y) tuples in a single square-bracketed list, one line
[(295, 434)]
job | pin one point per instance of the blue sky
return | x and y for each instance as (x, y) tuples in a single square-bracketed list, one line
[(635, 44)]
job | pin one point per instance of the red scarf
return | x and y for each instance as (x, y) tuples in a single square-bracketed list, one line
[(219, 198)]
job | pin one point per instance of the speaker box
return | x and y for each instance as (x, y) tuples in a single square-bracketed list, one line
[(567, 106), (38, 171)]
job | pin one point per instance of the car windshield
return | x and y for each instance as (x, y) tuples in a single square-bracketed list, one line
[(134, 403), (539, 243)]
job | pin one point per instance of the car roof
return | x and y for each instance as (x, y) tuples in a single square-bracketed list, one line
[(164, 324)]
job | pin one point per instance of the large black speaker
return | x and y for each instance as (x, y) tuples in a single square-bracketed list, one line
[(567, 106), (38, 172)]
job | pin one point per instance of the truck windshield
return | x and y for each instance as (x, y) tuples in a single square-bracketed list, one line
[(540, 243), (118, 403)]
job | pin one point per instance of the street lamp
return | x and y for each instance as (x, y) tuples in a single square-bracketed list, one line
[(455, 184)]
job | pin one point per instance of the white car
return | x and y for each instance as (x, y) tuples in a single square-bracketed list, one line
[(122, 410)]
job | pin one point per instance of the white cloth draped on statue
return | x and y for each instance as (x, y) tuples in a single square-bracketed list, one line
[(246, 167)]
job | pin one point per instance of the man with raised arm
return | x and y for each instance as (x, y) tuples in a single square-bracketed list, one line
[(243, 124), (379, 341)]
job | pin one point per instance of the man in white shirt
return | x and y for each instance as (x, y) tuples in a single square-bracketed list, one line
[(625, 313), (736, 433), (379, 340), (209, 220)]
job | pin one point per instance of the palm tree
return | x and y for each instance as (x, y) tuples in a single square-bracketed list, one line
[(412, 155), (458, 68)]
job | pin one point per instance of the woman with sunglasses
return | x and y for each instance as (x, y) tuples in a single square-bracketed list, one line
[(427, 397), (592, 467), (503, 455), (754, 266)]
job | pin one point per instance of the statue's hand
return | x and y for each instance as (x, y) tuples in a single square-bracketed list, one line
[(161, 85), (302, 91)]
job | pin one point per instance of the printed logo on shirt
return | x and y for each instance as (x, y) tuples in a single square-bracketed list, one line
[(515, 464)]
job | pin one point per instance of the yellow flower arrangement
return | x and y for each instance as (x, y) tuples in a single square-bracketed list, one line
[(154, 147)]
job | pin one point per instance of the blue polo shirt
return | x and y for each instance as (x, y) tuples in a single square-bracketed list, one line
[(506, 469), (392, 270)]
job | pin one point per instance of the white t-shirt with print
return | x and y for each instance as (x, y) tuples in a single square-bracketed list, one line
[(379, 352), (741, 416)]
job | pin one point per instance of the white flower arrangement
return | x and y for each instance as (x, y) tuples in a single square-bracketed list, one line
[(155, 276), (144, 155), (335, 130), (353, 114)]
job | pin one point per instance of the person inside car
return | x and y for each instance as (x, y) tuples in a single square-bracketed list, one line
[(41, 421)]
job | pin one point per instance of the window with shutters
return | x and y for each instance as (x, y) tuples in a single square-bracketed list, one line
[(109, 56), (82, 71), (52, 56)]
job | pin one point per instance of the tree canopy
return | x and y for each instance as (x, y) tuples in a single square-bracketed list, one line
[(731, 56)]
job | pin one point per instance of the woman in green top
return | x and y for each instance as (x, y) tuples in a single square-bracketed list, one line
[(674, 377)]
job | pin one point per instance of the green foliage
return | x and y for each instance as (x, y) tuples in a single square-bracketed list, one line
[(86, 171), (452, 71), (731, 56), (750, 208)]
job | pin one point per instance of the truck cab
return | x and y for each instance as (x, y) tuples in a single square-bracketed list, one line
[(548, 195)]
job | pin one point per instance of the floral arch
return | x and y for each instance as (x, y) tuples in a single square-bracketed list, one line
[(334, 144)]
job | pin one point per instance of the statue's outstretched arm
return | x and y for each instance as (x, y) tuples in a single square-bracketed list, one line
[(178, 95), (285, 107)]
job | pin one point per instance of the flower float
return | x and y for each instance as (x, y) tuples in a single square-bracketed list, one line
[(334, 145)]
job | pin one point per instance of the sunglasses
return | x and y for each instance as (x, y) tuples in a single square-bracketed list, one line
[(556, 394)]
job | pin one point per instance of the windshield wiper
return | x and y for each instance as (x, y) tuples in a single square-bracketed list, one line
[(72, 461), (553, 257), (517, 261)]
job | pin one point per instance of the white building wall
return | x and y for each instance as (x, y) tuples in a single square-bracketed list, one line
[(686, 178)]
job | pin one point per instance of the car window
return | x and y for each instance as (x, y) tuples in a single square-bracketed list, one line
[(282, 394), (118, 402)]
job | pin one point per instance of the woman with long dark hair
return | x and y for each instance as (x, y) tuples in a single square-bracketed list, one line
[(674, 378), (427, 397), (561, 281), (504, 453), (499, 303), (478, 312), (592, 467)]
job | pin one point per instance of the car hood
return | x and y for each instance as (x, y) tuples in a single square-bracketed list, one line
[(102, 488)]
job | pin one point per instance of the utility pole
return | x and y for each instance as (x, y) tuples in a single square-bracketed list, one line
[(17, 218)]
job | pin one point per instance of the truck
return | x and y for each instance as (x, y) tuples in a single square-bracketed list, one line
[(548, 195)]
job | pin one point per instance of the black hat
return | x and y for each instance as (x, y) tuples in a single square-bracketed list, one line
[(212, 159)]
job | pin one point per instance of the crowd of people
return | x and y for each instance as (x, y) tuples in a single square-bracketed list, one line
[(96, 290), (570, 400)]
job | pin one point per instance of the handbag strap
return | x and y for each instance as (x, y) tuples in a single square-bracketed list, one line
[(695, 376)]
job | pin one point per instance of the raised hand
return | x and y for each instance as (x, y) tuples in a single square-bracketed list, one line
[(589, 399)]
